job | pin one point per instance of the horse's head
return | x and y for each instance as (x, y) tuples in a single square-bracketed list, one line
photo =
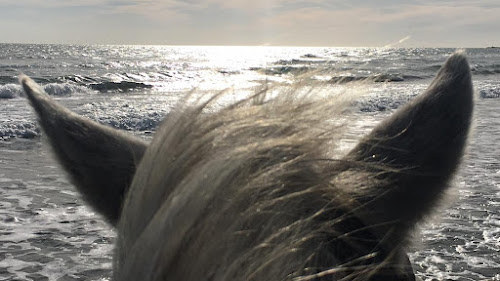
[(249, 192)]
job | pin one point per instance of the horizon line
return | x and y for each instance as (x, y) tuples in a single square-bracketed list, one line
[(234, 45)]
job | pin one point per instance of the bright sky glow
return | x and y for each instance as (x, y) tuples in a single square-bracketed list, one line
[(377, 23)]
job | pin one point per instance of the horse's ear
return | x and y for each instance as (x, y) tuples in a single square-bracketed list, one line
[(415, 152), (101, 161)]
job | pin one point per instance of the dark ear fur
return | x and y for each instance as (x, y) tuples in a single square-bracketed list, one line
[(101, 161), (415, 152)]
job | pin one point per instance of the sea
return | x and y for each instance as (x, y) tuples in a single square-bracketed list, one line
[(48, 233)]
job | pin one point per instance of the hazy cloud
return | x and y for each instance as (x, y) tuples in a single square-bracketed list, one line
[(279, 22), (30, 4)]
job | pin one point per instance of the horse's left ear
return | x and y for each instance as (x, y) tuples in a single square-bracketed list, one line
[(101, 161)]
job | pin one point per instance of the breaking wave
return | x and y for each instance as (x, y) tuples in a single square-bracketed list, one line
[(485, 69), (306, 70), (25, 130), (10, 91), (380, 103), (492, 93), (374, 78), (121, 86)]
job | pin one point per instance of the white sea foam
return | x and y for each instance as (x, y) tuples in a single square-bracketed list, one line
[(10, 91)]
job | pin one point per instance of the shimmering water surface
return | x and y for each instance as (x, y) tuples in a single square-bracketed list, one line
[(46, 232)]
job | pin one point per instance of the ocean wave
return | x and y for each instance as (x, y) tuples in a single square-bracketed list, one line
[(25, 130), (309, 55), (433, 68), (145, 123), (374, 78), (283, 70), (380, 103), (122, 114), (71, 84), (129, 121), (64, 89), (119, 82), (490, 93), (485, 69), (75, 78), (297, 70), (122, 86), (310, 60), (10, 91), (8, 79)]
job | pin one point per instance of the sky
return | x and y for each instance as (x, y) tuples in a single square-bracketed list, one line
[(335, 23)]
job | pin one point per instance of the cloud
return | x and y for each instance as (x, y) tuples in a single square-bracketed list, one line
[(163, 11), (434, 13), (278, 22), (30, 4), (381, 25)]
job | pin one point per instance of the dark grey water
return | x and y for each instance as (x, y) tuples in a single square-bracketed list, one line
[(46, 233)]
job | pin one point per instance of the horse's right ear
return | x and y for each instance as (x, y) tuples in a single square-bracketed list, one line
[(415, 152), (101, 161)]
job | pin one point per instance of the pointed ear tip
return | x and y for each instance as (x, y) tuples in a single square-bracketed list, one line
[(31, 88), (458, 61), (23, 78), (26, 82), (459, 55)]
